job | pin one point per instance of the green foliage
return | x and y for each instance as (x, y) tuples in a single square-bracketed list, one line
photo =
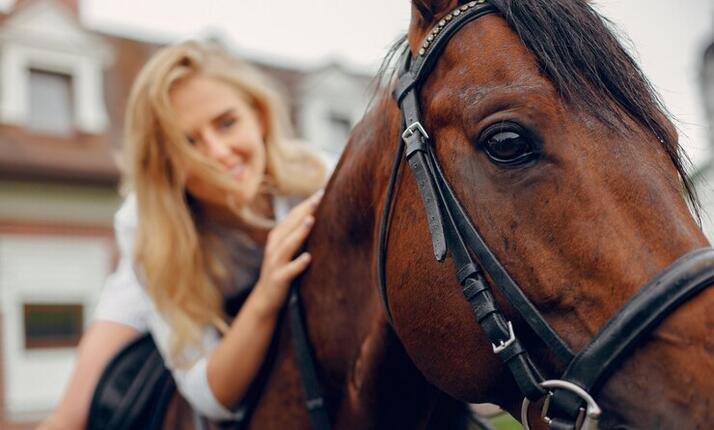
[(505, 422)]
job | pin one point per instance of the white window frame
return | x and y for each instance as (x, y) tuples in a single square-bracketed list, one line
[(86, 73)]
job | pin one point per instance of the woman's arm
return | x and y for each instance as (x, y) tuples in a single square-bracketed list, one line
[(98, 345), (120, 316), (236, 360)]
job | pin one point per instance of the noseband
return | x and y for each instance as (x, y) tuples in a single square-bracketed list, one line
[(569, 403)]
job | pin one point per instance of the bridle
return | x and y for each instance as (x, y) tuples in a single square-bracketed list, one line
[(569, 400)]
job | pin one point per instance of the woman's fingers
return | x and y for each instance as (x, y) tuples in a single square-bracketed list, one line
[(295, 217), (291, 270), (279, 268), (299, 212), (292, 242), (274, 286)]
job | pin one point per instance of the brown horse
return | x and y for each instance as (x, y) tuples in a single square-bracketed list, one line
[(568, 166)]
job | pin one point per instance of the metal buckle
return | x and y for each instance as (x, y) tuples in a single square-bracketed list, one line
[(416, 126), (315, 403), (503, 344), (588, 417)]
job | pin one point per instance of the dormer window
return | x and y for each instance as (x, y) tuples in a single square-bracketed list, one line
[(52, 72), (51, 105)]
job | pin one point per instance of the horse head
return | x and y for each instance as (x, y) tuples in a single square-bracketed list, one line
[(562, 157)]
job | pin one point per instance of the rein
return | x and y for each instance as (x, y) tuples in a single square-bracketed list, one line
[(569, 403)]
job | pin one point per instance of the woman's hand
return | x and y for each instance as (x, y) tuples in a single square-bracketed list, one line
[(236, 360), (279, 268)]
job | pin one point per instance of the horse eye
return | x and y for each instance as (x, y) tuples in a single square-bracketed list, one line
[(508, 144)]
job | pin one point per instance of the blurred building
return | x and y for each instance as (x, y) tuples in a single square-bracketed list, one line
[(63, 90)]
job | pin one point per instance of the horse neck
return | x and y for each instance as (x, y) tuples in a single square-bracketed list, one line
[(366, 373)]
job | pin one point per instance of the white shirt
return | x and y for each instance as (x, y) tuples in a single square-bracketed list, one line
[(124, 300)]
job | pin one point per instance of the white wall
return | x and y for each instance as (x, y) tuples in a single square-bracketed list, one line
[(44, 269), (58, 203), (669, 41)]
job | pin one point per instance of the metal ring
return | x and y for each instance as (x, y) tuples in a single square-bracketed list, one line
[(592, 410)]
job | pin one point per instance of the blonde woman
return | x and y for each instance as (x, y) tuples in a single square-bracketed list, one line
[(210, 170)]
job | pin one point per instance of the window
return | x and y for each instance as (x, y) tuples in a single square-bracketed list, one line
[(51, 106), (53, 325)]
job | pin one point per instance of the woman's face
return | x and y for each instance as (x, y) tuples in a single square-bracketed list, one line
[(222, 124)]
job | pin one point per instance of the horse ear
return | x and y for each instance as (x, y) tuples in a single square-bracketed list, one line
[(429, 9), (424, 15)]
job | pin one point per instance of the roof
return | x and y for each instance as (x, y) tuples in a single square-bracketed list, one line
[(89, 158)]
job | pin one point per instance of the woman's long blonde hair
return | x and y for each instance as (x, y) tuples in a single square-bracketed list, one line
[(180, 265)]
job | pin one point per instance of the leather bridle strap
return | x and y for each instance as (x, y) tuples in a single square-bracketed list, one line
[(474, 287), (384, 229), (500, 276), (682, 280), (477, 292), (435, 42), (417, 141), (314, 400)]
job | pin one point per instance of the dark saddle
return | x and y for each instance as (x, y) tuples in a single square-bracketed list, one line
[(137, 391), (134, 390)]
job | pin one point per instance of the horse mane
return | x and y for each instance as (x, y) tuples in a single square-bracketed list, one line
[(387, 73), (578, 51)]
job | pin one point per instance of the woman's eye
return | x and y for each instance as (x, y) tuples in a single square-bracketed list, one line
[(508, 144), (191, 140), (227, 123)]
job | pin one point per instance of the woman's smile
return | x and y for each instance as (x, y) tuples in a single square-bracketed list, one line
[(222, 124)]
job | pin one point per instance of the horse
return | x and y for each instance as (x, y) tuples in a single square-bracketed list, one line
[(566, 163), (530, 131)]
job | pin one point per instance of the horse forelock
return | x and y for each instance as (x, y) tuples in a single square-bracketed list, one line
[(578, 50)]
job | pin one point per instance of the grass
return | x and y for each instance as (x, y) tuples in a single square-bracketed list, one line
[(505, 422)]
